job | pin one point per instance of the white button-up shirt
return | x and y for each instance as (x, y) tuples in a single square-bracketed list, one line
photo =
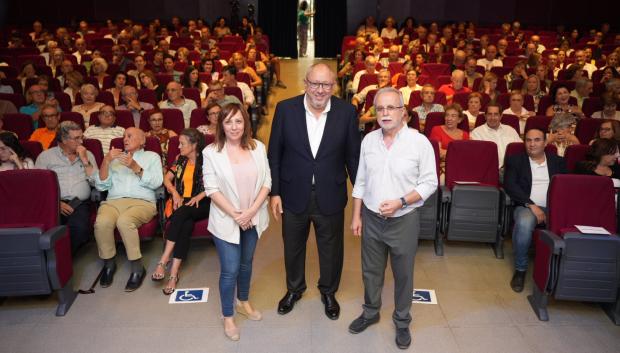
[(540, 182), (316, 127), (502, 136), (391, 173)]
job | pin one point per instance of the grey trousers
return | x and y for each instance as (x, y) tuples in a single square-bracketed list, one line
[(397, 237)]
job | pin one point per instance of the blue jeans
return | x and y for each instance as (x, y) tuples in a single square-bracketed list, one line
[(236, 268), (525, 222)]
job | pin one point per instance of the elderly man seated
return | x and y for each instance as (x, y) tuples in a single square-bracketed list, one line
[(456, 86), (45, 135), (106, 130), (74, 166), (216, 94), (130, 177), (130, 96), (229, 74), (177, 101)]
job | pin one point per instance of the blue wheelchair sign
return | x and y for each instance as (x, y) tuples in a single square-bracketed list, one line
[(190, 295), (424, 296)]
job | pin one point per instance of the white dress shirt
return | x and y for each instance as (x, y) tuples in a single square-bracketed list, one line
[(316, 127), (540, 182), (391, 173), (488, 64), (502, 136)]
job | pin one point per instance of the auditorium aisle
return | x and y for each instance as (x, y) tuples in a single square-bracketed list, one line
[(477, 310)]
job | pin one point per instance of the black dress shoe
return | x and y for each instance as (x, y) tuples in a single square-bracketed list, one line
[(517, 281), (287, 303), (332, 309), (108, 276), (361, 323), (135, 280), (403, 338)]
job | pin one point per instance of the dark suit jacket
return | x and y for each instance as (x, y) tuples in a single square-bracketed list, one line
[(292, 164), (518, 175)]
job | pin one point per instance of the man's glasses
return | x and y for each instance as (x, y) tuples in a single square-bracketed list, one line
[(106, 113), (321, 85), (45, 116), (389, 109)]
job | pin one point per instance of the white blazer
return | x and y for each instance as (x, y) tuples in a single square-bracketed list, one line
[(218, 176)]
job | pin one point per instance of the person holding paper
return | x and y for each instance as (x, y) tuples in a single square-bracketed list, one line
[(526, 181), (396, 174)]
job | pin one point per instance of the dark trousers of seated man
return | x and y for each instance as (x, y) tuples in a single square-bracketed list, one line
[(398, 238), (182, 223), (78, 222)]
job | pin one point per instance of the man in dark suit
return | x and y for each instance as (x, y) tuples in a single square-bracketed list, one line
[(314, 145), (526, 181)]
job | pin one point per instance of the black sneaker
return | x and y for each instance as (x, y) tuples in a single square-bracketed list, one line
[(361, 323), (517, 281), (403, 338)]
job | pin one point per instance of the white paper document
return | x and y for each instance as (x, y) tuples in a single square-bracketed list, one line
[(592, 230)]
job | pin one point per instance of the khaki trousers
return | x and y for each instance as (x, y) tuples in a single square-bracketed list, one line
[(127, 215)]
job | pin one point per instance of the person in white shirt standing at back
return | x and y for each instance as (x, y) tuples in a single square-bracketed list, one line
[(396, 173)]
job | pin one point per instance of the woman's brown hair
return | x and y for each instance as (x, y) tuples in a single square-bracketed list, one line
[(247, 142)]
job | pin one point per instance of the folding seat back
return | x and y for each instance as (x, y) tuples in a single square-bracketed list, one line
[(367, 80), (20, 124), (501, 71), (244, 77), (34, 248), (106, 98), (15, 84), (511, 120), (9, 71), (429, 212), (198, 117), (569, 84), (434, 70), (510, 61), (17, 99), (173, 120), (574, 154), (395, 67), (539, 122), (72, 116), (461, 98), (586, 129), (173, 151), (233, 91), (442, 80), (163, 79), (432, 120), (63, 100), (193, 94), (205, 77), (33, 148), (148, 96), (94, 146), (571, 265), (414, 120), (472, 206), (369, 99), (591, 105)]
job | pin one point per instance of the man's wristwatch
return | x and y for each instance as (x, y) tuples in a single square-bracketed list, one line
[(404, 202)]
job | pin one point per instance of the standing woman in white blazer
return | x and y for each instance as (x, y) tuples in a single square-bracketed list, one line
[(237, 179)]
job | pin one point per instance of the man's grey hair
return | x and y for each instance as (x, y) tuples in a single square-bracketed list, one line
[(562, 121), (582, 83), (64, 128), (389, 90)]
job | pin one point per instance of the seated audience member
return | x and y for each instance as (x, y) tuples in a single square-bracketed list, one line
[(208, 67), (609, 108), (488, 86), (533, 88), (189, 202), (191, 79), (427, 106), (456, 86), (131, 103), (57, 56), (169, 69), (526, 181), (98, 69), (516, 108), (518, 73), (175, 100), (148, 81), (74, 81), (580, 60), (140, 64), (6, 107), (216, 95), (106, 130), (12, 154), (560, 97), (130, 177), (261, 62), (221, 29), (583, 88), (389, 31), (601, 159), (239, 63), (74, 166), (80, 50), (490, 59), (412, 85), (65, 68), (229, 79), (493, 130), (383, 80), (348, 63), (36, 97), (88, 93), (474, 106), (51, 118), (370, 64), (448, 132), (470, 71), (609, 129), (212, 111), (156, 122), (393, 57), (609, 73), (120, 80), (368, 27), (562, 129), (27, 71)]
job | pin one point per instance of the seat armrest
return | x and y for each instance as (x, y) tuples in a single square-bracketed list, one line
[(95, 195), (552, 240), (446, 194), (49, 238)]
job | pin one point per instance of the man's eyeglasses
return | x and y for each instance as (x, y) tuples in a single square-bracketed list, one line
[(106, 113), (76, 138), (321, 85), (389, 109), (45, 116)]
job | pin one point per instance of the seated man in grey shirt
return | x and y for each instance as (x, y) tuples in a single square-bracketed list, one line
[(130, 97), (74, 166)]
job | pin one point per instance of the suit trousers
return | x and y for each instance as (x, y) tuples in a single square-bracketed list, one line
[(127, 215), (79, 225), (398, 238), (329, 231)]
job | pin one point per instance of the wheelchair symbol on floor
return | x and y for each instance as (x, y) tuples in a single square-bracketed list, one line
[(188, 296), (421, 296)]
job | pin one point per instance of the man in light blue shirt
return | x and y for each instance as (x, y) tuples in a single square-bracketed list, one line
[(131, 178)]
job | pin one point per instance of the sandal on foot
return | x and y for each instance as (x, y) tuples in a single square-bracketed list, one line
[(156, 276), (169, 290)]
